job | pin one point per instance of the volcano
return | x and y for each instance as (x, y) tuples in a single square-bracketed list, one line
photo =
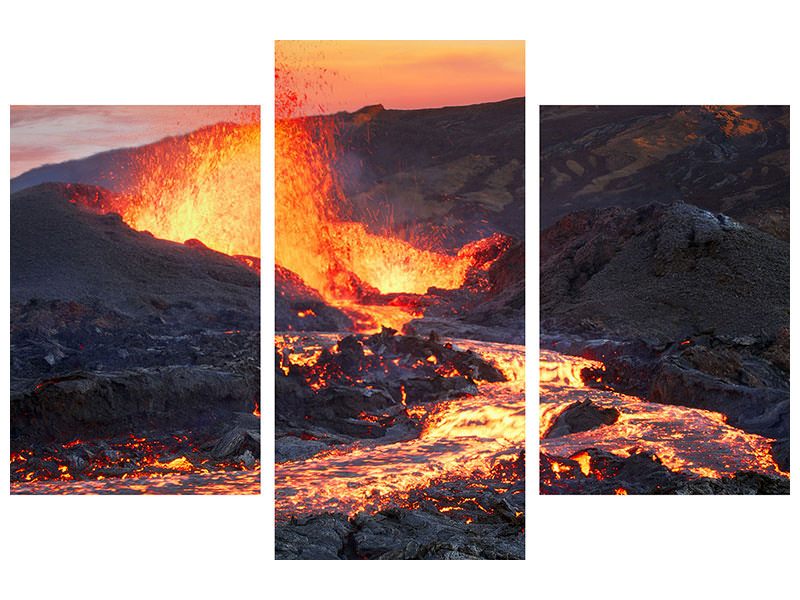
[(134, 359), (399, 315)]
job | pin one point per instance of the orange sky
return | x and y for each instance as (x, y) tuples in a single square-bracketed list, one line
[(347, 75)]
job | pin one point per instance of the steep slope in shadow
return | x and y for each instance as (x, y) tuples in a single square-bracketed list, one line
[(60, 251)]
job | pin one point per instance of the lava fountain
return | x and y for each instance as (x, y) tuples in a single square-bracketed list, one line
[(341, 259), (205, 185)]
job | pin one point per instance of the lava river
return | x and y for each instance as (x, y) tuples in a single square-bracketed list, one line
[(461, 438), (689, 440), (214, 483)]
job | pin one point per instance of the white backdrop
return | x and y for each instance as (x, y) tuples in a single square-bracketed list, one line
[(200, 52)]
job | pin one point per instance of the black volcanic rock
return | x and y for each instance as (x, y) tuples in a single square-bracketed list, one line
[(489, 306), (643, 473), (581, 416), (300, 307), (448, 175), (112, 403), (756, 409), (115, 332), (663, 273), (319, 537), (60, 251)]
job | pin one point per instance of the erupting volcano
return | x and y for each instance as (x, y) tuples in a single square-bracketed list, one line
[(400, 330), (363, 273), (203, 185), (135, 318)]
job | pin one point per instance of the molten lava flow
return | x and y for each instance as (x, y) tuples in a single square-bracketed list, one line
[(341, 259), (462, 438), (220, 482), (104, 466), (685, 439)]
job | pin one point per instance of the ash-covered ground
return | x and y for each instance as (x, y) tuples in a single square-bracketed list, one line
[(131, 357), (410, 444), (665, 255)]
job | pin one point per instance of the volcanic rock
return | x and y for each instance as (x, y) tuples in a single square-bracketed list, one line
[(320, 537), (745, 483), (295, 447), (466, 363), (105, 404), (761, 410), (643, 473), (490, 305), (601, 472), (663, 274), (733, 160), (362, 396), (398, 533), (778, 351), (301, 308), (581, 416), (242, 438), (60, 251), (781, 454)]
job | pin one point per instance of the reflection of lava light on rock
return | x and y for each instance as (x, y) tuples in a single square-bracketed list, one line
[(205, 186), (341, 259), (733, 122), (685, 439), (461, 438)]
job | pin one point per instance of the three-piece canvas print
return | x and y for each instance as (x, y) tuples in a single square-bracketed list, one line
[(399, 356)]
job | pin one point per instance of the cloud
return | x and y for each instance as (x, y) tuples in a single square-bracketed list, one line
[(52, 134)]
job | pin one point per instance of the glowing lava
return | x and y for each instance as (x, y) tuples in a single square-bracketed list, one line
[(203, 186), (343, 261), (215, 483), (460, 438), (132, 465), (685, 439)]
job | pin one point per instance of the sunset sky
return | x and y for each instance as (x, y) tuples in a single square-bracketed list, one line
[(347, 75), (52, 134)]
